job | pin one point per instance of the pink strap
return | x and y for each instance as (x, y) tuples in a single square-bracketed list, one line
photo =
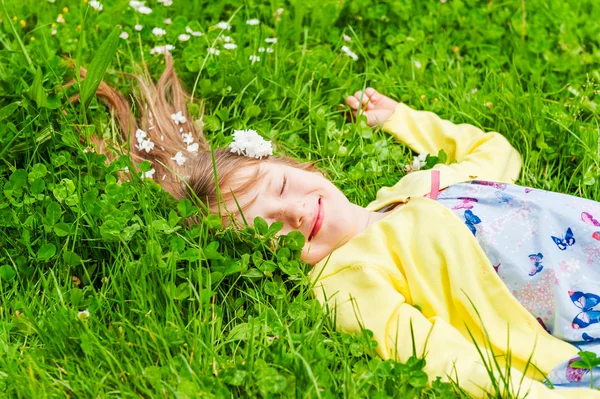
[(435, 184)]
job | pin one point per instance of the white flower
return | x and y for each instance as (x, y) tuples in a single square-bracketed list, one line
[(179, 158), (349, 53), (145, 145), (53, 32), (159, 32), (187, 138), (138, 27), (417, 64), (144, 10), (166, 3), (162, 49), (60, 19), (261, 49), (254, 58), (89, 149), (251, 144), (347, 38), (183, 37), (229, 46), (226, 39), (422, 156), (191, 31), (95, 4), (125, 169), (474, 91), (136, 4), (212, 50), (124, 35), (223, 25), (271, 40), (178, 118), (253, 22), (269, 50), (140, 135), (167, 21), (84, 314), (180, 130), (278, 13), (193, 147), (148, 174)]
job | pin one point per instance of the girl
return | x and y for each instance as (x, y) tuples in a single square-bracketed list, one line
[(442, 260)]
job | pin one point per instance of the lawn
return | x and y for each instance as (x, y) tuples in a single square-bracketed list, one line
[(106, 292)]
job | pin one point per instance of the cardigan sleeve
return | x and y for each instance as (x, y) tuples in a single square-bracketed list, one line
[(489, 156), (365, 296)]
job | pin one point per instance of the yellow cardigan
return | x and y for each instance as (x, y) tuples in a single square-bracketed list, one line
[(422, 254)]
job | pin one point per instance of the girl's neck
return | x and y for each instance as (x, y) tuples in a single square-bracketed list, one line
[(366, 218)]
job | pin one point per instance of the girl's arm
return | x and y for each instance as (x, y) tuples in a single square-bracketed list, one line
[(488, 156), (365, 296)]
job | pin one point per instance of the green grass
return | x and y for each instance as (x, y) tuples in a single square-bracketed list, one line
[(202, 311)]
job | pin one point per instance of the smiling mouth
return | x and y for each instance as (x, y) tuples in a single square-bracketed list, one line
[(318, 220)]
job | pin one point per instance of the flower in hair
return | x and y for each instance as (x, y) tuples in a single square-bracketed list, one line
[(143, 144), (250, 144), (187, 138), (149, 174), (178, 118), (193, 147), (179, 158)]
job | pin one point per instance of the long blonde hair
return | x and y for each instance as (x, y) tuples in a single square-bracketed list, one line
[(196, 177)]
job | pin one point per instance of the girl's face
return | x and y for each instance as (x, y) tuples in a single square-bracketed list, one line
[(304, 201)]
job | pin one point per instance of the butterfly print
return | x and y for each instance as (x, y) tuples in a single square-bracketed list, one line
[(498, 186), (528, 190), (588, 338), (589, 219), (563, 243), (465, 203), (496, 267), (471, 220), (585, 302), (539, 319), (536, 261), (573, 374), (504, 198)]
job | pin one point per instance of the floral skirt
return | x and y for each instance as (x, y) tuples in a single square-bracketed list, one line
[(545, 246)]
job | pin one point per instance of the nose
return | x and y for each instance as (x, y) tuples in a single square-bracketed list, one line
[(294, 213)]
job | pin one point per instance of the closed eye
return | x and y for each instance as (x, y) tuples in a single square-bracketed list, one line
[(283, 185)]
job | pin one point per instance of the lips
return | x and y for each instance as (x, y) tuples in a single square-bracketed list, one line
[(318, 220)]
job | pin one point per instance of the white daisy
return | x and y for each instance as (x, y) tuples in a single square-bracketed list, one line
[(187, 138), (261, 49), (166, 49), (179, 158), (159, 32), (184, 37), (144, 10), (229, 46), (192, 32), (138, 27), (84, 314), (60, 19), (347, 38), (148, 174), (96, 5), (254, 58), (349, 53), (53, 32), (167, 21), (193, 147), (223, 25), (271, 40), (178, 118), (253, 22), (124, 35), (212, 50)]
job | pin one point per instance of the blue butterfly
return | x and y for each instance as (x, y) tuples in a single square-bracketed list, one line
[(562, 243), (588, 338), (471, 220), (504, 198), (536, 261), (585, 302)]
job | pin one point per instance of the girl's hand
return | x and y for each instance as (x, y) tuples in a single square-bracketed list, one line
[(375, 106)]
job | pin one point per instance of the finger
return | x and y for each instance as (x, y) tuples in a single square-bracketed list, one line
[(362, 98), (374, 96), (352, 102)]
